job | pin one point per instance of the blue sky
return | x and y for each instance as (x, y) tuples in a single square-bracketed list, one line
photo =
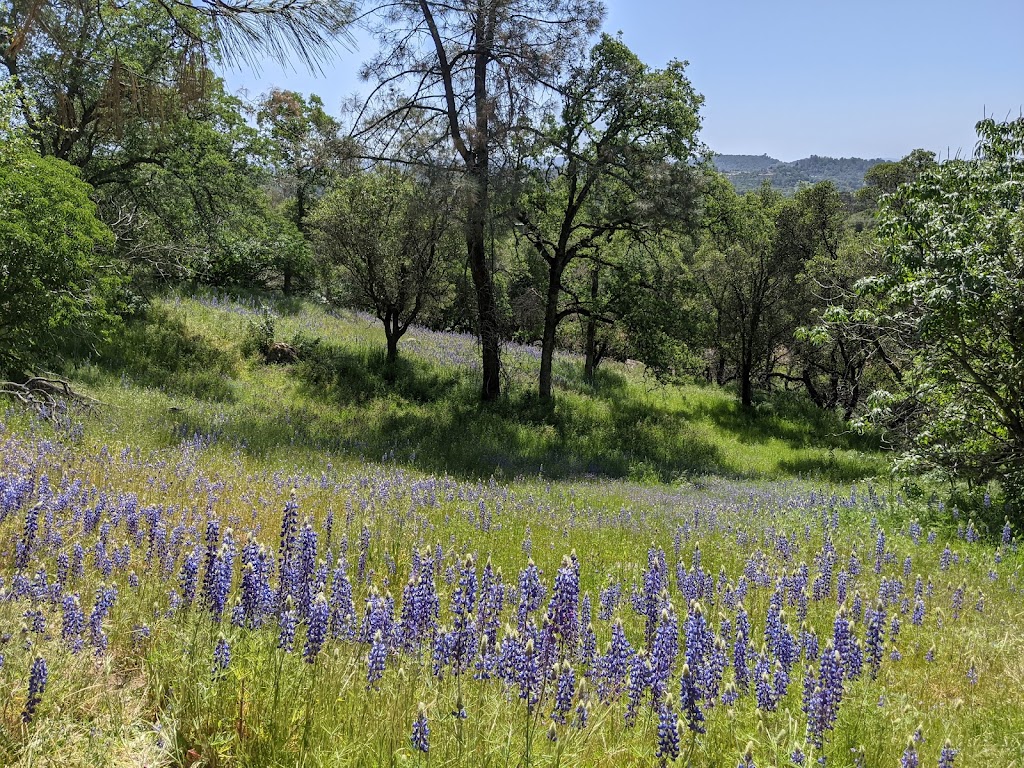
[(792, 78)]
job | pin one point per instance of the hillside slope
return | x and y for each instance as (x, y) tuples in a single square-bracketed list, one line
[(182, 374), (747, 172)]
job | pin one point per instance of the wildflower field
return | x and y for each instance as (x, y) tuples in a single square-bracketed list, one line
[(174, 592)]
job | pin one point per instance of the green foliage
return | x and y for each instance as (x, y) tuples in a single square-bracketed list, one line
[(953, 294), (885, 178), (385, 233), (259, 334), (748, 274), (56, 280), (608, 176)]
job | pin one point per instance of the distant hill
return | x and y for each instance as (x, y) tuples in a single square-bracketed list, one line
[(746, 172)]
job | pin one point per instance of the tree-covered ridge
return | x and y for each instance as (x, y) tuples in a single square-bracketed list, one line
[(747, 172)]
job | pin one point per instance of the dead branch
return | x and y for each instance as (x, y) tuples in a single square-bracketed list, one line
[(50, 397)]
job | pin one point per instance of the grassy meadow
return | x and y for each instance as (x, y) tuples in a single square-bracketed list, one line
[(338, 563)]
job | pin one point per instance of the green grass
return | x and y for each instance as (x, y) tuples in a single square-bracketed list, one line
[(197, 430), (343, 399)]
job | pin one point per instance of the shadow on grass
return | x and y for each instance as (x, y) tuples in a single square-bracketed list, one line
[(350, 401), (350, 376), (157, 350), (782, 416), (839, 469)]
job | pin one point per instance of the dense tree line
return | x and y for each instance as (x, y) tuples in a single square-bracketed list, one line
[(514, 174)]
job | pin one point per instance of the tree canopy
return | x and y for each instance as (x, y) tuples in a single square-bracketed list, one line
[(953, 293)]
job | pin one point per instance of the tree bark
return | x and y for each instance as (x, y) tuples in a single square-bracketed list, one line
[(487, 309), (590, 346), (746, 379), (392, 357), (547, 349)]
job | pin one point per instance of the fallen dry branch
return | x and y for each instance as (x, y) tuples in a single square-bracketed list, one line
[(50, 397)]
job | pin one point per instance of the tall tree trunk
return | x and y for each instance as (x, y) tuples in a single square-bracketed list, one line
[(590, 345), (547, 347), (392, 348), (479, 167), (746, 378), (392, 332), (487, 309)]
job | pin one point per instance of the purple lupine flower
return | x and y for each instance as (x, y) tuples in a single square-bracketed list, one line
[(421, 731), (699, 642), (364, 551), (376, 659), (823, 697), (37, 678), (947, 755), (316, 631), (917, 617), (305, 570), (531, 593), (1007, 532), (809, 642), (491, 604), (588, 648), (342, 621), (663, 652), (257, 594), (741, 651), (63, 567), (654, 592), (689, 701), (639, 682), (717, 660), (189, 578), (668, 732), (770, 681), (614, 664), (286, 628), (797, 757), (565, 689), (730, 695), (971, 535), (945, 558), (528, 674), (36, 620), (212, 538), (220, 575), (73, 623), (105, 597), (564, 606), (609, 600), (958, 600), (463, 642), (841, 585), (23, 548), (747, 761), (289, 527), (910, 758), (221, 657), (915, 531), (875, 641), (845, 642)]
